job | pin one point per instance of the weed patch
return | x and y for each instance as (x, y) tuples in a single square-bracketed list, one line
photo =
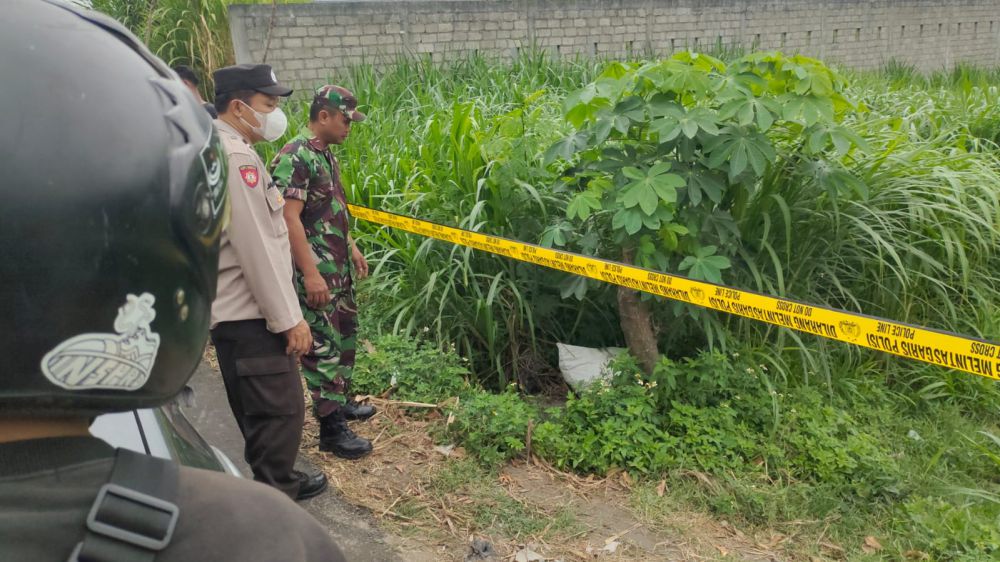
[(409, 369)]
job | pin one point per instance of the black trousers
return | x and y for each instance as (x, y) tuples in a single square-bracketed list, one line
[(265, 394)]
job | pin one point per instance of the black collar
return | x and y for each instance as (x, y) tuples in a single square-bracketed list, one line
[(34, 455)]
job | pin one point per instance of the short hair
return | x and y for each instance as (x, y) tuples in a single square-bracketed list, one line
[(319, 105), (222, 100), (187, 73)]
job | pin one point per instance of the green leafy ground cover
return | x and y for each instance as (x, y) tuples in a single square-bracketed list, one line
[(830, 468)]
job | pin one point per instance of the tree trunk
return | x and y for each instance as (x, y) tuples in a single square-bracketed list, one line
[(637, 324)]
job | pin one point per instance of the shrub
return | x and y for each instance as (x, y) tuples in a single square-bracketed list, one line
[(824, 443), (493, 427), (612, 424), (416, 370)]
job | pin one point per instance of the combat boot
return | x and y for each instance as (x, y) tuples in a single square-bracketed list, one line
[(335, 437), (358, 412)]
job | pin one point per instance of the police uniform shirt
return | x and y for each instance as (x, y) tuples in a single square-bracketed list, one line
[(255, 259)]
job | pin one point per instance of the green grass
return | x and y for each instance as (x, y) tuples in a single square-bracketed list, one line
[(493, 510), (823, 466), (819, 444), (191, 32), (459, 144)]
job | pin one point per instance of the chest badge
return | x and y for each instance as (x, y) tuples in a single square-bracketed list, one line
[(250, 175)]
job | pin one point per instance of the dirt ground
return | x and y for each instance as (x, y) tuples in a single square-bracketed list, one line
[(413, 500), (433, 503)]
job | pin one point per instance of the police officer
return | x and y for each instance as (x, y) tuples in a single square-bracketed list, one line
[(113, 204), (327, 261), (257, 326)]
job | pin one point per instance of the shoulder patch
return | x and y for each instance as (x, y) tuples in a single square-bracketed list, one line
[(250, 175)]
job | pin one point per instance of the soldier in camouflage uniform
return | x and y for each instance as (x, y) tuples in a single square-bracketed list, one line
[(327, 261)]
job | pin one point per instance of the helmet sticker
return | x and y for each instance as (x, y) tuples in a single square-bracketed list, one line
[(119, 361), (213, 161)]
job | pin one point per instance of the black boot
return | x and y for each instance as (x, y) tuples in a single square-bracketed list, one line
[(335, 437), (310, 484), (358, 412)]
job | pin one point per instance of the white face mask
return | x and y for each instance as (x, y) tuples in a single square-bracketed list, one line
[(272, 125)]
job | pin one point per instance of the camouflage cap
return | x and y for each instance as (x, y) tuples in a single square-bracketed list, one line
[(339, 98)]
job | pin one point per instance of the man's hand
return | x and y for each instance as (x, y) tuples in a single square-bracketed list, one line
[(360, 263), (317, 293), (299, 339)]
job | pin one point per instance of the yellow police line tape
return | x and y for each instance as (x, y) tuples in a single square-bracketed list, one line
[(937, 347)]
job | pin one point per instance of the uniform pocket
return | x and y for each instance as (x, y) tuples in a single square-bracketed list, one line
[(276, 204), (269, 386)]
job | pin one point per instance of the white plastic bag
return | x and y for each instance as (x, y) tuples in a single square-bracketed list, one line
[(582, 366)]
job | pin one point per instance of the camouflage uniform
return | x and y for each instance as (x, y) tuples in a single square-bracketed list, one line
[(306, 170)]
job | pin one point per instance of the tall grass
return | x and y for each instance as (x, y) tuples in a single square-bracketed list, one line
[(920, 247), (191, 32), (459, 144)]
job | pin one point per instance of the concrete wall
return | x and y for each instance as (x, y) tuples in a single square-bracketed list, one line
[(308, 43)]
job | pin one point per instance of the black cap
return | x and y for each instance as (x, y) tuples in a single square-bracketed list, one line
[(259, 77)]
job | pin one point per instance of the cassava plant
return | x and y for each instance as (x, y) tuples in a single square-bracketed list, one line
[(668, 155)]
